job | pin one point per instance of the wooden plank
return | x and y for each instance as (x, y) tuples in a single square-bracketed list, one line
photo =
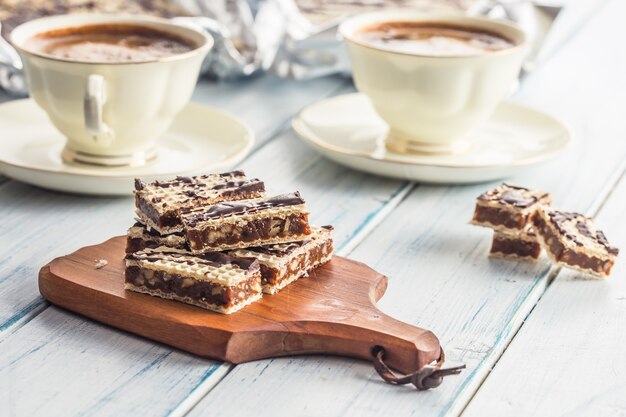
[(48, 214), (440, 276), (66, 365), (567, 358), (267, 102), (42, 228)]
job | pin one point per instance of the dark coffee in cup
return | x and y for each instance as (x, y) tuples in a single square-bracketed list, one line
[(434, 39), (109, 43)]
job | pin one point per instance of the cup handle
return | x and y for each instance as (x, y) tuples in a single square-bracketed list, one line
[(95, 97)]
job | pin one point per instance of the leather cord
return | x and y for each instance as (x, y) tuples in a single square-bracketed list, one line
[(427, 377)]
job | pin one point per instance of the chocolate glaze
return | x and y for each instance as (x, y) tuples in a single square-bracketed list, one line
[(235, 173), (139, 185), (560, 218), (229, 208), (513, 195)]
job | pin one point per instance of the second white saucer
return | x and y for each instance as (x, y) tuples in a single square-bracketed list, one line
[(347, 130), (201, 140)]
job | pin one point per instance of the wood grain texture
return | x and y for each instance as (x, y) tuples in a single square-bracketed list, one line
[(440, 276), (267, 102), (568, 358), (35, 212), (331, 312), (43, 226), (113, 371), (60, 364)]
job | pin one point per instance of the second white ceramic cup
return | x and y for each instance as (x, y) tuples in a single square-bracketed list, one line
[(432, 103), (111, 113)]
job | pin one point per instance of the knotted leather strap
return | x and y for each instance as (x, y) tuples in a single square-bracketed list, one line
[(427, 377)]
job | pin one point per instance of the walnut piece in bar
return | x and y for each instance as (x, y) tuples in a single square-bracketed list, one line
[(283, 263), (158, 203), (573, 241), (507, 208), (520, 246), (240, 224), (214, 281)]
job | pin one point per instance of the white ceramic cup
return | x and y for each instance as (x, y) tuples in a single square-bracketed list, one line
[(432, 103), (111, 113)]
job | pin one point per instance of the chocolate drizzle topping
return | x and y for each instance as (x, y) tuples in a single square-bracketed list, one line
[(513, 195), (255, 184), (192, 181), (139, 185), (517, 199), (229, 208), (559, 218), (236, 173)]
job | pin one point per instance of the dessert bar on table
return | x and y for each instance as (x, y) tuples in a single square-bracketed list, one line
[(281, 263), (572, 240), (158, 203), (240, 224), (524, 224), (523, 245), (214, 281), (215, 241), (507, 208)]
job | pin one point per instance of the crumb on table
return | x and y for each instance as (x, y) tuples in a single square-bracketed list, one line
[(101, 263)]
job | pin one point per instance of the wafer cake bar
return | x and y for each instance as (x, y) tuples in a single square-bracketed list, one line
[(573, 241), (214, 281), (283, 263), (240, 224), (158, 203), (522, 245), (507, 208)]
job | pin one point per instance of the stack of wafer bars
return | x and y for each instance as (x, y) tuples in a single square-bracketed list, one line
[(218, 242), (524, 223)]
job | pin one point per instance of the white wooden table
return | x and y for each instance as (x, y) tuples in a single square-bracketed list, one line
[(536, 340)]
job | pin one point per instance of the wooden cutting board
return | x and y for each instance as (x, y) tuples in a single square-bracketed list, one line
[(331, 312)]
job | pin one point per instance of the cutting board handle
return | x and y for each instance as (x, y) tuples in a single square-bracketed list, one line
[(407, 348), (346, 331)]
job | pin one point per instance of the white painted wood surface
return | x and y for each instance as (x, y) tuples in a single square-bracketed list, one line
[(568, 359), (350, 200), (54, 363), (40, 220), (440, 277)]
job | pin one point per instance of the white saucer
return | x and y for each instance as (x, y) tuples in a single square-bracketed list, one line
[(347, 130), (200, 140)]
